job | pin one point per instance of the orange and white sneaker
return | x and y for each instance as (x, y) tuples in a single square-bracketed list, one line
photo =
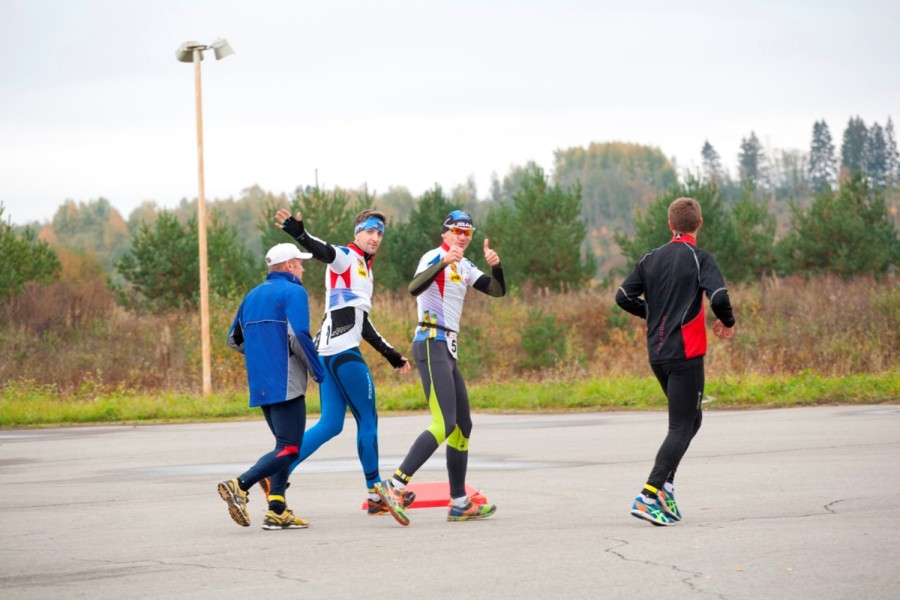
[(668, 505), (378, 507), (476, 498), (471, 510)]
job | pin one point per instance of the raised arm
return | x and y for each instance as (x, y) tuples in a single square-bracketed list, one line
[(293, 226)]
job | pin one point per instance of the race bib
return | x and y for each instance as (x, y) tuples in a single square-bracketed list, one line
[(451, 343)]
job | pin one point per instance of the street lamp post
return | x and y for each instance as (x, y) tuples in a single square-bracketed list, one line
[(193, 52)]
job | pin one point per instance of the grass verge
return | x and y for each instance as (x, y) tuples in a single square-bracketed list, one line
[(23, 404)]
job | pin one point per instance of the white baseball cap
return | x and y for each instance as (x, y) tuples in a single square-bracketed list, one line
[(284, 252)]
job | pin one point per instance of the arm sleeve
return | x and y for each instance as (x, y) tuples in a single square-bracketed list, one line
[(297, 308), (425, 278), (320, 249), (712, 281), (721, 307), (236, 333), (629, 295), (371, 335), (493, 284)]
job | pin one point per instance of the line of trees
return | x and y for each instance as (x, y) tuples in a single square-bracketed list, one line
[(602, 207), (845, 232), (539, 232), (867, 150)]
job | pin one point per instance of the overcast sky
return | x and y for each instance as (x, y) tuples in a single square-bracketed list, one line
[(412, 93)]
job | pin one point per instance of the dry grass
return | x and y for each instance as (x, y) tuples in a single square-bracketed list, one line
[(72, 338)]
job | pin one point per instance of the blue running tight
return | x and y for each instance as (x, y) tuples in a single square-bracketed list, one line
[(347, 384)]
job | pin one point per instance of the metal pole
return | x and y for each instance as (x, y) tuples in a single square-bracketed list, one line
[(201, 235)]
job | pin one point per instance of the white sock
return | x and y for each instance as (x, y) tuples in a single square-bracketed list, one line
[(398, 485), (460, 502), (374, 497), (669, 487)]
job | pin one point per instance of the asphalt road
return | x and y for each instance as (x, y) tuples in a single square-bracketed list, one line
[(790, 503)]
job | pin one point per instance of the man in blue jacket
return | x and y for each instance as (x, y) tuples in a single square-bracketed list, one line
[(271, 330)]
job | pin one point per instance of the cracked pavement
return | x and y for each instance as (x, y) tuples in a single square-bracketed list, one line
[(788, 503)]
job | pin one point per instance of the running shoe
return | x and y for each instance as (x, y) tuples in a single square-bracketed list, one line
[(476, 498), (237, 500), (649, 512), (667, 504), (392, 500), (378, 507), (471, 511), (286, 520)]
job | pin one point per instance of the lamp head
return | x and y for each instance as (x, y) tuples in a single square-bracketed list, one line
[(221, 48), (185, 52)]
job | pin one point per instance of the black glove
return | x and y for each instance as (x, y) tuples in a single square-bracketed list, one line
[(395, 358), (293, 227)]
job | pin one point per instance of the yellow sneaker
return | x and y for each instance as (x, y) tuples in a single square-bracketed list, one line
[(286, 520), (237, 500)]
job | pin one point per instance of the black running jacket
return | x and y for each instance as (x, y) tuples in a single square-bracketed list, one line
[(672, 280)]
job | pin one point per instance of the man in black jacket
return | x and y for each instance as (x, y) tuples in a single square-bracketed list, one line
[(672, 280)]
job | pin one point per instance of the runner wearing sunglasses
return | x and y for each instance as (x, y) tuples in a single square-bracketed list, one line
[(442, 279)]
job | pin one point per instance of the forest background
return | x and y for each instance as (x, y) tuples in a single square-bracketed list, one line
[(100, 321)]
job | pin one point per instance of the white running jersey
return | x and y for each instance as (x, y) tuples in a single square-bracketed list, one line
[(441, 303), (348, 285)]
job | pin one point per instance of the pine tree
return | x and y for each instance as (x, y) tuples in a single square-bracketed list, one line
[(876, 158), (712, 163), (846, 232), (25, 258), (540, 234), (822, 161), (162, 267), (752, 162), (853, 148), (891, 155), (741, 238)]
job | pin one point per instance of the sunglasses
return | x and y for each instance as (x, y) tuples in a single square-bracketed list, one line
[(459, 231)]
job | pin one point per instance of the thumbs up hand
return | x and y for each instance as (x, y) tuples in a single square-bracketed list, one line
[(489, 255), (455, 254)]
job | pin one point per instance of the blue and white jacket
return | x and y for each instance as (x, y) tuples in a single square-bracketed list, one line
[(271, 330)]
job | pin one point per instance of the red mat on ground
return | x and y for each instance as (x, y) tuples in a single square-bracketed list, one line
[(430, 494)]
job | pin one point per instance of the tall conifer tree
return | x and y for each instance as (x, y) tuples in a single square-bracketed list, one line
[(752, 162), (853, 147), (822, 161), (712, 163)]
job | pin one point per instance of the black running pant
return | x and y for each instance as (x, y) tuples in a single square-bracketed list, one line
[(682, 382)]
